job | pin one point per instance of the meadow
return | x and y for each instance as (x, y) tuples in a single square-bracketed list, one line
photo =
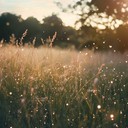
[(53, 88)]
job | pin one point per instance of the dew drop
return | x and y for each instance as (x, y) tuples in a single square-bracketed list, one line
[(99, 106), (67, 104), (110, 46), (10, 93)]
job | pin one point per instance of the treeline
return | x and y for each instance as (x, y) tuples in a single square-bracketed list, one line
[(13, 26)]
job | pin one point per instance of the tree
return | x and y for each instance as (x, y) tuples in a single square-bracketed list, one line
[(13, 27), (101, 21), (34, 29), (9, 24), (52, 24), (64, 38), (100, 12), (118, 8), (122, 38)]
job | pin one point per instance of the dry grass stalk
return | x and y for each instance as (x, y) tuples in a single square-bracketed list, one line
[(34, 41), (52, 40), (1, 43), (42, 41), (12, 39), (23, 35)]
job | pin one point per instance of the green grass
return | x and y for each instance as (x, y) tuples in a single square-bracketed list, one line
[(52, 88)]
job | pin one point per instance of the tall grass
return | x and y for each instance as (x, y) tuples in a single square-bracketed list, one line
[(52, 88)]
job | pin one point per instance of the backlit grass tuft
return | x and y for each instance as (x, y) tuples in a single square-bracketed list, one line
[(52, 88)]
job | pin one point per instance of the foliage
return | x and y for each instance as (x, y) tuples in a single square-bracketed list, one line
[(112, 7), (9, 24), (13, 28), (12, 24), (91, 10), (102, 23)]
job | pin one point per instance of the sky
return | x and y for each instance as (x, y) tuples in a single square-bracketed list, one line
[(38, 9)]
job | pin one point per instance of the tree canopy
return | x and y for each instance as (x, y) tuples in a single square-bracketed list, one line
[(13, 24), (101, 23), (118, 8), (100, 13), (101, 28)]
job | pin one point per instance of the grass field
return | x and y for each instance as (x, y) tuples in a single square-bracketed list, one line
[(52, 88)]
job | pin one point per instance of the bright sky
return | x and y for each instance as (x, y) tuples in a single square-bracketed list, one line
[(37, 8)]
